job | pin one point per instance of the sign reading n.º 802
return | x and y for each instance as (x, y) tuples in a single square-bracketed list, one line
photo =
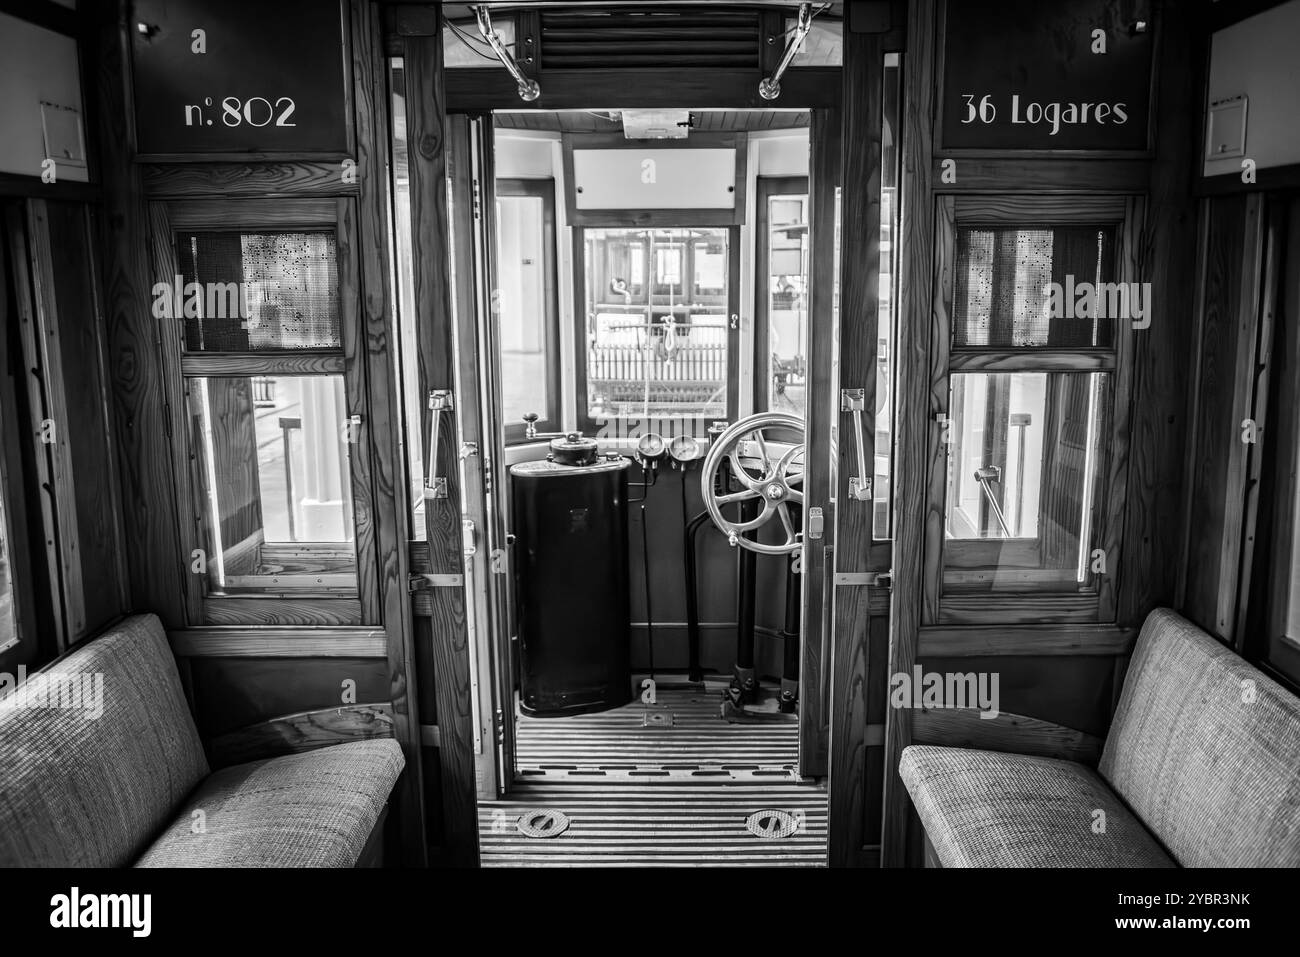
[(240, 76)]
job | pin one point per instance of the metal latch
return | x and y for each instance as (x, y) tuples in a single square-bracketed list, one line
[(469, 537), (816, 523), (883, 579), (425, 582)]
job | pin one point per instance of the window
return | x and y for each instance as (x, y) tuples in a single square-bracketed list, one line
[(528, 305), (781, 342), (8, 619), (273, 438), (656, 335), (1035, 363)]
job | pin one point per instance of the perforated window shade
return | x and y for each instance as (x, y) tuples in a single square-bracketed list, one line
[(1019, 287), (259, 291)]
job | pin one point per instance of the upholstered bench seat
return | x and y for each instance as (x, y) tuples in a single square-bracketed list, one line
[(303, 810), (990, 809), (116, 778), (1201, 768)]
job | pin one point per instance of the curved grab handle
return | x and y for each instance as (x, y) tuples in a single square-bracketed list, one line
[(440, 401), (855, 401)]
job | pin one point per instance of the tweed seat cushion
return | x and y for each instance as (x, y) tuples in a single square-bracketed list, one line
[(1206, 749), (314, 809), (89, 782), (989, 809)]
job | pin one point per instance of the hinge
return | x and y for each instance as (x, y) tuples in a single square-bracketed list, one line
[(478, 204)]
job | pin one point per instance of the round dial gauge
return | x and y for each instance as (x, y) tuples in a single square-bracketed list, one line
[(684, 448), (651, 446)]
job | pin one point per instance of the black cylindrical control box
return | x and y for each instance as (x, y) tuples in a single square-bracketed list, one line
[(572, 586)]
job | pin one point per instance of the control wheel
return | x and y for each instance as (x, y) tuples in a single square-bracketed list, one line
[(767, 469)]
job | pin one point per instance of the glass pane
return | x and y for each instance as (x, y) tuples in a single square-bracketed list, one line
[(521, 274), (250, 292), (1026, 452), (8, 622), (1036, 287), (272, 453), (657, 338), (787, 301), (881, 488), (406, 364)]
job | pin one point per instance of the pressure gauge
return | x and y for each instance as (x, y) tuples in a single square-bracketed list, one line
[(651, 446), (684, 448)]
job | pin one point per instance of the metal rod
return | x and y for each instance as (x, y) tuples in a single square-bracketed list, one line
[(770, 88), (528, 89), (982, 476), (649, 616)]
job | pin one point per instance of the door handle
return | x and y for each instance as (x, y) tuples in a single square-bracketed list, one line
[(435, 485), (854, 401)]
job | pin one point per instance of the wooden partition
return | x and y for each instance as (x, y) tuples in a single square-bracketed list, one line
[(1061, 658)]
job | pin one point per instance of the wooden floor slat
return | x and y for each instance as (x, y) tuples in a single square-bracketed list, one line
[(659, 825), (617, 746)]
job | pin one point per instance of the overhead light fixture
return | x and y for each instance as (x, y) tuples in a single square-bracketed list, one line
[(770, 88), (528, 89), (656, 124)]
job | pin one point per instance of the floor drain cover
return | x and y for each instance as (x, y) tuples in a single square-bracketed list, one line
[(543, 823), (657, 719), (772, 824)]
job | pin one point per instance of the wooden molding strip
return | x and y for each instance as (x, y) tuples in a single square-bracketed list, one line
[(1017, 733), (253, 642), (948, 641)]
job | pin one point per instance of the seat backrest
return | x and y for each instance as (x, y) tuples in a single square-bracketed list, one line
[(96, 752), (1206, 750)]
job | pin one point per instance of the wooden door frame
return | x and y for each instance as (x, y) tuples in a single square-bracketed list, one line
[(805, 89)]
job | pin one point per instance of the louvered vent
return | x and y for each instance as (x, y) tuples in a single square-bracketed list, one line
[(583, 40)]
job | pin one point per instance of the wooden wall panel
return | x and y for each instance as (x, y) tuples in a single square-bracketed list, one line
[(140, 402), (912, 351), (1152, 532), (863, 129)]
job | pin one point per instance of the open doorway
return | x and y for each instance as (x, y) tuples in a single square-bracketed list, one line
[(652, 274)]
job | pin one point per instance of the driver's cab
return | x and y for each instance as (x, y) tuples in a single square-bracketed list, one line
[(650, 350)]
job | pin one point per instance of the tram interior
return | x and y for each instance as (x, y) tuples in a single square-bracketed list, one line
[(540, 434)]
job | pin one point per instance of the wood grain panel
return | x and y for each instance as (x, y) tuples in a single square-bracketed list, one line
[(288, 364), (271, 642), (1215, 423), (304, 731), (255, 180), (425, 125), (863, 129), (472, 90), (1042, 175), (268, 610), (915, 411), (1153, 530), (1069, 640), (825, 139), (965, 728), (381, 544)]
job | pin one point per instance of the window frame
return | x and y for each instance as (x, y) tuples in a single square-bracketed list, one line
[(663, 423), (297, 607), (545, 190), (945, 607), (767, 187), (14, 487)]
